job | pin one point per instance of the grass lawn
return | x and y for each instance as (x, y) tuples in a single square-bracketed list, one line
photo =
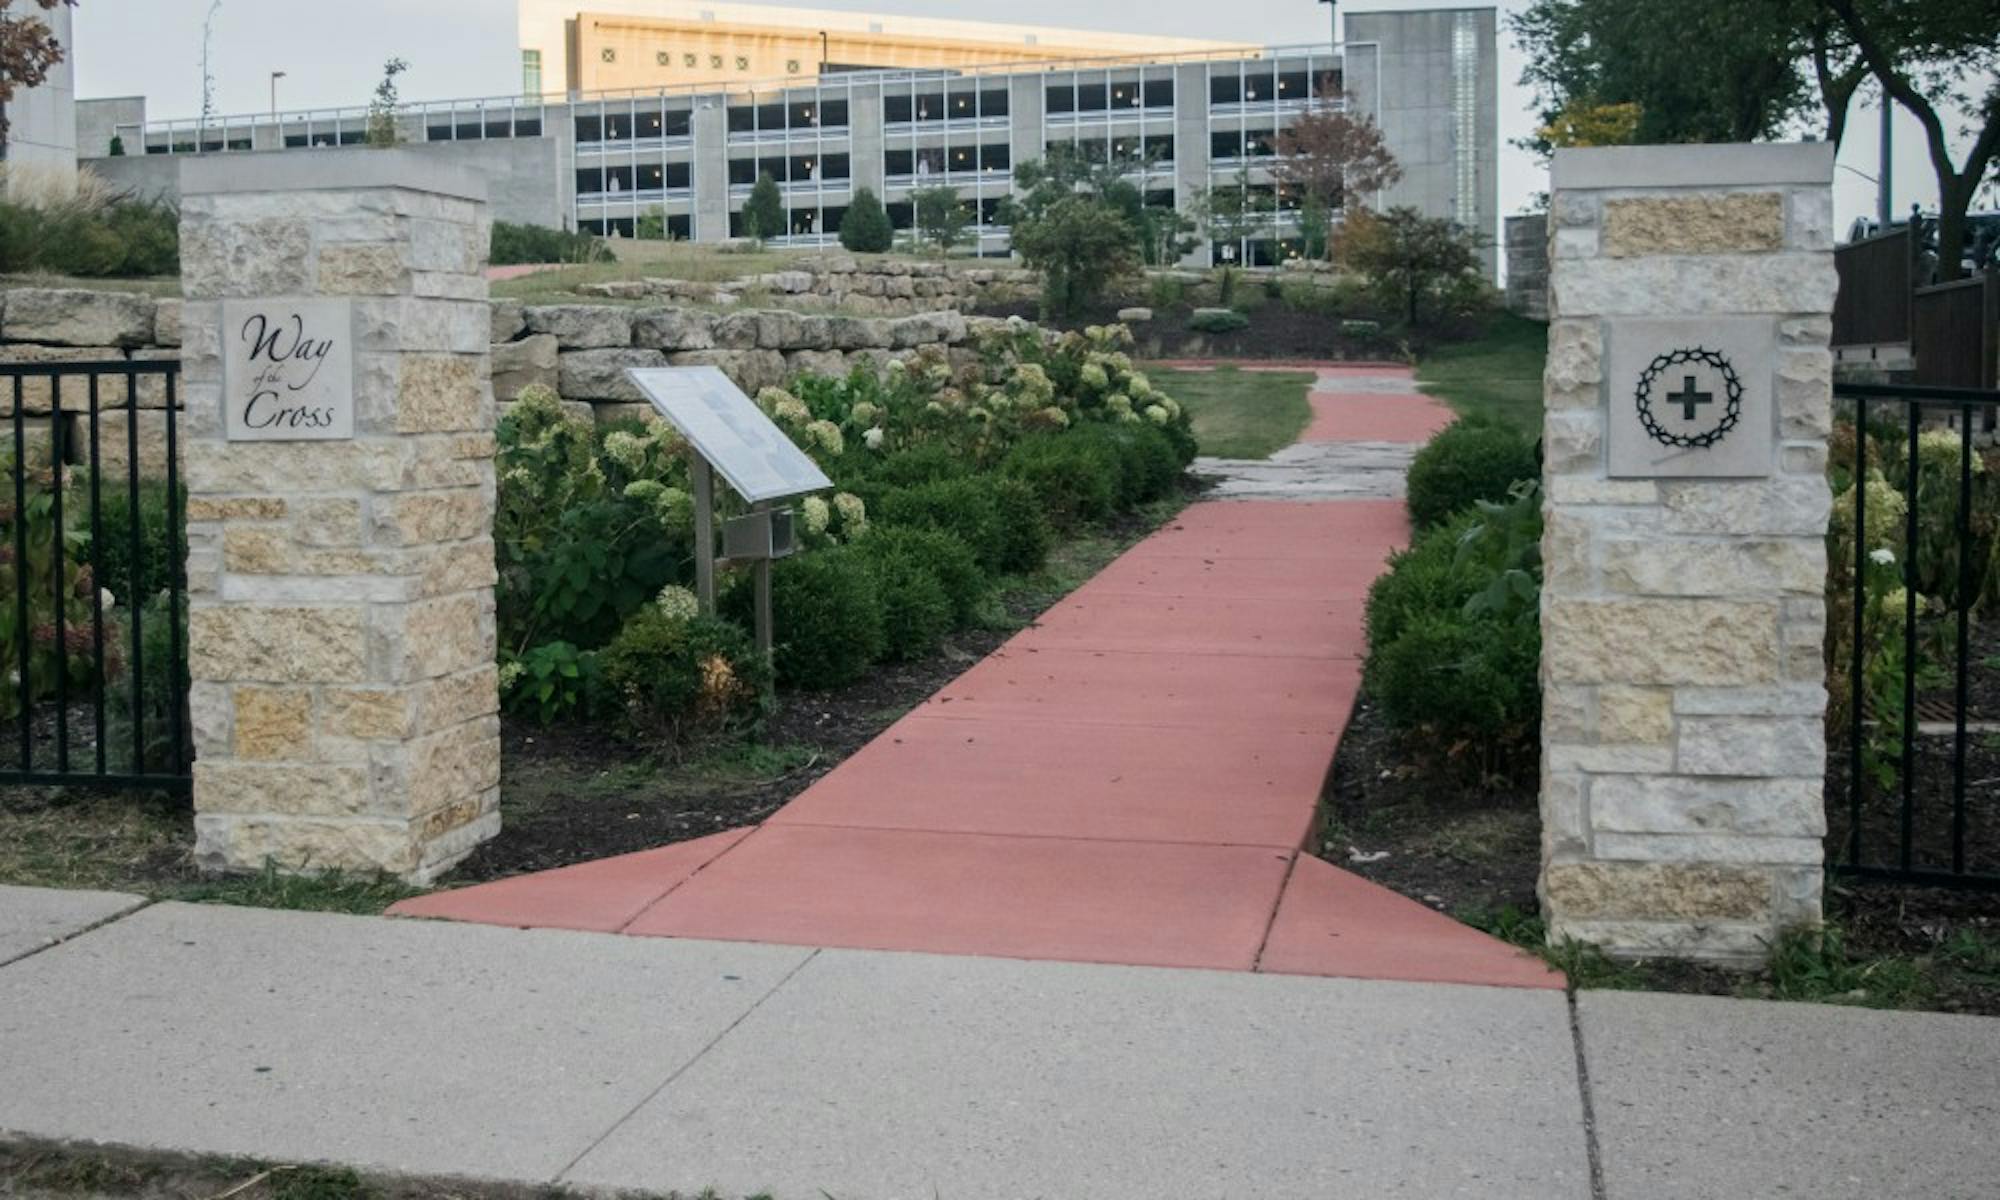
[(1241, 414), (159, 286), (1498, 375)]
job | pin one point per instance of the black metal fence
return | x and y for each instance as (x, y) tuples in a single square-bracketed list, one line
[(93, 674), (1914, 637)]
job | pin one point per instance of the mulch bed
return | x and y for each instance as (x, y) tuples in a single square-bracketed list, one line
[(1467, 843)]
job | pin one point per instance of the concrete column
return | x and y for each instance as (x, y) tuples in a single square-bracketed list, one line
[(1689, 403), (709, 166), (340, 511)]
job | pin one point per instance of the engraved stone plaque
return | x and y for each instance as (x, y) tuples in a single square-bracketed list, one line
[(288, 370), (1691, 398)]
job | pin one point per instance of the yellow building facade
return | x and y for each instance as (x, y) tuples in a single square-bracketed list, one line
[(645, 45)]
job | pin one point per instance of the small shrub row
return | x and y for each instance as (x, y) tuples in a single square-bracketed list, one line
[(122, 237), (535, 244)]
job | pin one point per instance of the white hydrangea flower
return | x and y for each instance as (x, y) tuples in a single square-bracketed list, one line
[(675, 508), (791, 411), (827, 434), (1119, 403), (678, 602), (1883, 557), (865, 414), (872, 439), (897, 366), (853, 512), (645, 491), (814, 512), (1156, 414), (628, 450), (1016, 323), (510, 674), (1094, 377)]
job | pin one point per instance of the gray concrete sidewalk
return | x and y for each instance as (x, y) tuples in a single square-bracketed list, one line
[(540, 1056)]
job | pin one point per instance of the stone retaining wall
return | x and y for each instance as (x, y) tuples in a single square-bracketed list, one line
[(870, 287), (580, 349)]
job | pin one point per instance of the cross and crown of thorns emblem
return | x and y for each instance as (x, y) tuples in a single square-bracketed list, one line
[(1688, 397)]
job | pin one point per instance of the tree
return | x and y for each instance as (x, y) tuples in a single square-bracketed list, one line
[(1582, 123), (866, 229), (940, 217), (764, 210), (1699, 70), (1327, 154), (1939, 54), (28, 51), (1078, 224), (383, 129), (1236, 211), (1409, 256)]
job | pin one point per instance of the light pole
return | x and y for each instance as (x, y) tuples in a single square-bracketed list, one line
[(275, 77), (1333, 20)]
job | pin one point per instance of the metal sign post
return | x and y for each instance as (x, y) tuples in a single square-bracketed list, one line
[(731, 436)]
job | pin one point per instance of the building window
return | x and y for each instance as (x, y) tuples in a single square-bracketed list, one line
[(791, 66), (715, 62), (609, 54), (531, 72), (742, 63), (663, 58), (688, 60)]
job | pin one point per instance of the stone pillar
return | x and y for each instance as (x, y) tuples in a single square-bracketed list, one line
[(340, 511), (1689, 402)]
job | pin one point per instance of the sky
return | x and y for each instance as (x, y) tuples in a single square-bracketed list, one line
[(332, 56)]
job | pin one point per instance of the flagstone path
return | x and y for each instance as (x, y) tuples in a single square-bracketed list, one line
[(1131, 780)]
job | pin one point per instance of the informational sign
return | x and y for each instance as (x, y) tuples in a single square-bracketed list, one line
[(288, 370), (728, 430), (1691, 397)]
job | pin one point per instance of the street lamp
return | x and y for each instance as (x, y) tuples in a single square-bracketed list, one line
[(275, 77), (1333, 19)]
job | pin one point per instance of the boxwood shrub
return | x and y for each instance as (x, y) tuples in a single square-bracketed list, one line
[(948, 560), (680, 677), (1467, 462), (1438, 664), (826, 609), (1078, 478), (916, 609)]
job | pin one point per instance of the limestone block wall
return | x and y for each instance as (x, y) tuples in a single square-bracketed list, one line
[(1683, 613), (341, 626), (866, 286)]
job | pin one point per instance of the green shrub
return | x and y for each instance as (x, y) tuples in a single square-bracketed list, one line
[(1149, 462), (1218, 320), (1165, 292), (1077, 478), (1466, 463), (947, 558), (827, 618), (680, 677), (125, 237), (964, 508), (1454, 646), (916, 610), (110, 559), (533, 244), (1025, 536), (918, 465), (550, 682), (163, 683)]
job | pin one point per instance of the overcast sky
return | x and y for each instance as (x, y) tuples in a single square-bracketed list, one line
[(332, 54)]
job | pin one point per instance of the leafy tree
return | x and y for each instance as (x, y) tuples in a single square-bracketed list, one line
[(383, 130), (1236, 211), (28, 51), (866, 229), (1080, 224), (651, 225), (1582, 123), (1933, 56), (1167, 234), (1327, 154), (1416, 259), (940, 217), (1698, 70), (764, 210)]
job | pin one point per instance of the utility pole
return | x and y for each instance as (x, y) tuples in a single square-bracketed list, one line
[(1884, 206)]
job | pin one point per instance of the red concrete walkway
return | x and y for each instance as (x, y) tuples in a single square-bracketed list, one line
[(1128, 781)]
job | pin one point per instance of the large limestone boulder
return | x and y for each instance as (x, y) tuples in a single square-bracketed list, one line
[(750, 369), (167, 321), (857, 333), (77, 317), (830, 363), (37, 394), (600, 374), (523, 364), (582, 326), (509, 320), (927, 329), (672, 329), (736, 331)]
